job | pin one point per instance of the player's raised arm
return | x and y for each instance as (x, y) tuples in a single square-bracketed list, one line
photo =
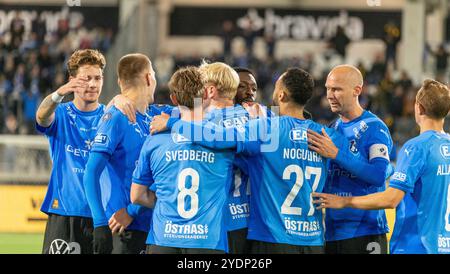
[(357, 165), (390, 198), (46, 111)]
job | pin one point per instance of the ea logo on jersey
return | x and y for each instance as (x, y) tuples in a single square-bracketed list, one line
[(298, 135), (353, 148), (100, 139), (234, 122), (59, 246), (445, 151), (179, 139)]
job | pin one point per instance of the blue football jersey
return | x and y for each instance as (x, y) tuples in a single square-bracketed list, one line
[(122, 140), (369, 138), (238, 194), (70, 136), (191, 185), (422, 222), (282, 178)]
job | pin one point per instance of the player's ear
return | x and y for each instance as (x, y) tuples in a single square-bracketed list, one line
[(282, 96), (148, 79), (420, 108), (173, 99), (357, 90), (210, 91)]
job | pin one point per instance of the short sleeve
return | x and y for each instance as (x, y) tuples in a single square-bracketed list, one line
[(51, 130), (409, 168), (142, 174), (110, 133)]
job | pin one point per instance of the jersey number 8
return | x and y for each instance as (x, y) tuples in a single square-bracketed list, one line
[(185, 192)]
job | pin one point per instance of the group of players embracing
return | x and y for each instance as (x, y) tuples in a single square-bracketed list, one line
[(219, 173)]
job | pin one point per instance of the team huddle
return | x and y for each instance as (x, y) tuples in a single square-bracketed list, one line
[(219, 173)]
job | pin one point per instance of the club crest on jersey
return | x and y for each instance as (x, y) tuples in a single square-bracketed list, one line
[(179, 139), (298, 135), (101, 139), (445, 151), (353, 148)]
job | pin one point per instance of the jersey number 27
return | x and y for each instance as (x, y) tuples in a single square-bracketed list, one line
[(286, 208)]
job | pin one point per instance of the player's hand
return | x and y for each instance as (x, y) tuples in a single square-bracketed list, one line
[(102, 240), (254, 110), (322, 144), (125, 106), (119, 221), (159, 123), (324, 200), (78, 84)]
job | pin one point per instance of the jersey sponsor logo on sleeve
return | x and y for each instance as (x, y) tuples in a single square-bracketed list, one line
[(445, 151), (378, 151), (399, 176), (101, 139), (298, 135)]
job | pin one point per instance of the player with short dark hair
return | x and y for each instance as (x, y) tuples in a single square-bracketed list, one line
[(420, 186), (246, 91), (114, 152)]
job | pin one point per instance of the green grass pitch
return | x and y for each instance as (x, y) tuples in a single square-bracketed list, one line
[(15, 243)]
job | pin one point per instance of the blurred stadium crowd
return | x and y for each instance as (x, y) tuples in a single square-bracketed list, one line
[(32, 66)]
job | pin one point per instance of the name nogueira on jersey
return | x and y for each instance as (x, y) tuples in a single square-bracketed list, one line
[(301, 154)]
